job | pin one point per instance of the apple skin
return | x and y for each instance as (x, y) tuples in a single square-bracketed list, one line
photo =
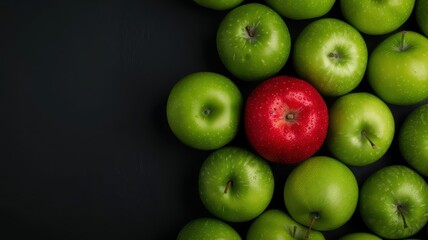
[(334, 63), (376, 17), (219, 4), (360, 236), (285, 119), (208, 229), (302, 9), (389, 191), (251, 184), (253, 42), (274, 224), (204, 109), (398, 68), (413, 139), (321, 187), (361, 128), (421, 13)]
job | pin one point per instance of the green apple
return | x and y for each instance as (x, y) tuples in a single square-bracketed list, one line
[(203, 110), (413, 139), (302, 9), (275, 224), (235, 184), (376, 17), (393, 202), (219, 4), (331, 55), (207, 229), (361, 128), (253, 42), (421, 12), (360, 236), (398, 68), (321, 193)]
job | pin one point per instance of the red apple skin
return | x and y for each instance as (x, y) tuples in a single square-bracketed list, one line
[(286, 119)]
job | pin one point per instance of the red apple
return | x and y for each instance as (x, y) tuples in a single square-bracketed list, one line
[(286, 119)]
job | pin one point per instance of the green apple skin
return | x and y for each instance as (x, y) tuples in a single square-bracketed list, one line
[(203, 110), (235, 185), (219, 4), (331, 55), (361, 128), (323, 188), (274, 224), (391, 197), (398, 68), (253, 42), (421, 13), (376, 17), (413, 139), (208, 229), (360, 236), (303, 9)]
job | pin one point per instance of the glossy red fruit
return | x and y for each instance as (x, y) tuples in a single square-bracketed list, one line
[(286, 119)]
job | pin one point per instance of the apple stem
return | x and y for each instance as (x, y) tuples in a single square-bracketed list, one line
[(364, 134), (402, 44), (250, 31), (207, 111), (314, 216), (290, 116), (228, 185), (400, 210), (294, 231), (333, 55)]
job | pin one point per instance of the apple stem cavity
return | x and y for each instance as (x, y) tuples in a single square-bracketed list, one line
[(401, 210), (364, 134), (314, 217), (228, 186)]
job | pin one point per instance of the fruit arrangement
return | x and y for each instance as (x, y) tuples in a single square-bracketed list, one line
[(297, 155)]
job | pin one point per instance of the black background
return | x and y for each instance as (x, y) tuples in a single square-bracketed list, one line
[(86, 152)]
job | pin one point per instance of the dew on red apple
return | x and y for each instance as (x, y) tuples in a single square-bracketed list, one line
[(311, 124)]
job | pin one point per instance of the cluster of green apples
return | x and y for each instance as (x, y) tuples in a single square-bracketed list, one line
[(321, 193)]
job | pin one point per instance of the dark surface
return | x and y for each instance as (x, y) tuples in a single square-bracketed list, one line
[(86, 152)]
